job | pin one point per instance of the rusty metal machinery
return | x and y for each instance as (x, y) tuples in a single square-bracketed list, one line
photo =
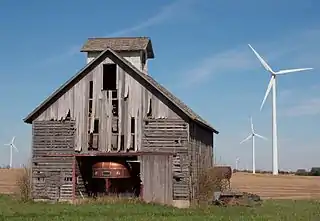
[(110, 170)]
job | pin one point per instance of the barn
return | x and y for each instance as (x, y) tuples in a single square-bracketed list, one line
[(113, 130)]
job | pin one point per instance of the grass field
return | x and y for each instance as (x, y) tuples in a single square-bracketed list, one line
[(283, 210), (267, 186)]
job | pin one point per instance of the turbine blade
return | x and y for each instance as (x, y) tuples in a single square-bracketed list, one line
[(251, 124), (246, 139), (260, 136), (13, 139), (292, 70), (14, 146), (267, 91), (265, 65), (7, 144)]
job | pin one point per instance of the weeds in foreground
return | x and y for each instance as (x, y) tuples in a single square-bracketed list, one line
[(24, 185), (210, 180)]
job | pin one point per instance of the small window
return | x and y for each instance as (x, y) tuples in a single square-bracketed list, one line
[(68, 179), (90, 107), (132, 125), (96, 126), (149, 114), (90, 89), (115, 108), (109, 77), (143, 59)]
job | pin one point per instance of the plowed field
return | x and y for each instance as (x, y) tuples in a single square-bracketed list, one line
[(277, 187)]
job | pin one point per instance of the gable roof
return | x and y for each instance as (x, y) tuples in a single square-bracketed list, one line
[(124, 64), (119, 44)]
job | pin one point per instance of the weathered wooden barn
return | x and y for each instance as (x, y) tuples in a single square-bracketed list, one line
[(112, 126)]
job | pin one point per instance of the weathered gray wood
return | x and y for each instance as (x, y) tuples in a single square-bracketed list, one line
[(200, 155), (157, 127), (133, 98), (170, 135), (52, 175), (156, 176)]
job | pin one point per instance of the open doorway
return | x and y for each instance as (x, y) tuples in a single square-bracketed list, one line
[(110, 176)]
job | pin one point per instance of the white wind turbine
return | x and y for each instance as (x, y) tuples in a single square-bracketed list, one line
[(272, 84), (252, 135), (12, 146), (237, 163)]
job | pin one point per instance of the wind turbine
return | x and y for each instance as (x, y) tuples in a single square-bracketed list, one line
[(252, 135), (237, 163), (12, 146), (272, 84)]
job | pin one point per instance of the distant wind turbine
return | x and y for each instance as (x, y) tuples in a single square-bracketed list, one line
[(12, 146), (252, 135), (272, 84), (237, 163)]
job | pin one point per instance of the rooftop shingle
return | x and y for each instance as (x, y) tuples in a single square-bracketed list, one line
[(119, 44)]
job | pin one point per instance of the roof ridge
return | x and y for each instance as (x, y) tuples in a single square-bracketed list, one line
[(129, 37)]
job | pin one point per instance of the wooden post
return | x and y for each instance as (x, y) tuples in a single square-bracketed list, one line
[(141, 191), (74, 179), (107, 185)]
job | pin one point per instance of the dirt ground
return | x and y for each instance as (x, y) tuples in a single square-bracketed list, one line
[(265, 185), (277, 187)]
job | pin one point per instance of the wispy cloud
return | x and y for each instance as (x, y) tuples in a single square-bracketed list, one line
[(241, 59), (226, 61), (300, 102), (165, 14), (309, 107)]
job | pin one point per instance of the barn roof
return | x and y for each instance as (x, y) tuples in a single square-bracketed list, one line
[(128, 67), (119, 44)]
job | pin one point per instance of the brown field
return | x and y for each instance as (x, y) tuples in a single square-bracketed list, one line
[(8, 180), (277, 187), (265, 185)]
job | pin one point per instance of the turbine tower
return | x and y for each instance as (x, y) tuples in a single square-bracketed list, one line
[(252, 136), (272, 84), (237, 163), (12, 146)]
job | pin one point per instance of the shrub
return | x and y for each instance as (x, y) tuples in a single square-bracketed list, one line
[(24, 185), (210, 182)]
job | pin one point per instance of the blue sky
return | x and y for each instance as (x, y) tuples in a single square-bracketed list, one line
[(201, 55)]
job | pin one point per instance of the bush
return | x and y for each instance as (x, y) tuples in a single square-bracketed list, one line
[(24, 185), (210, 182)]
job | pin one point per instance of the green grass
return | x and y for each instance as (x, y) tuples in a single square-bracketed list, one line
[(270, 210)]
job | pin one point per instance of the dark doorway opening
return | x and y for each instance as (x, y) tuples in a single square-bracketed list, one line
[(101, 180)]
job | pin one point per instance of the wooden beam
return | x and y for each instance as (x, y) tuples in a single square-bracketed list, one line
[(74, 179)]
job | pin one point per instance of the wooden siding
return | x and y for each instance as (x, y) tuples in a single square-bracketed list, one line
[(134, 100), (52, 175), (170, 135), (156, 176), (200, 155)]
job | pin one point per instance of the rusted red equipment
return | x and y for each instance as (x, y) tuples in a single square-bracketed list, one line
[(110, 170)]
